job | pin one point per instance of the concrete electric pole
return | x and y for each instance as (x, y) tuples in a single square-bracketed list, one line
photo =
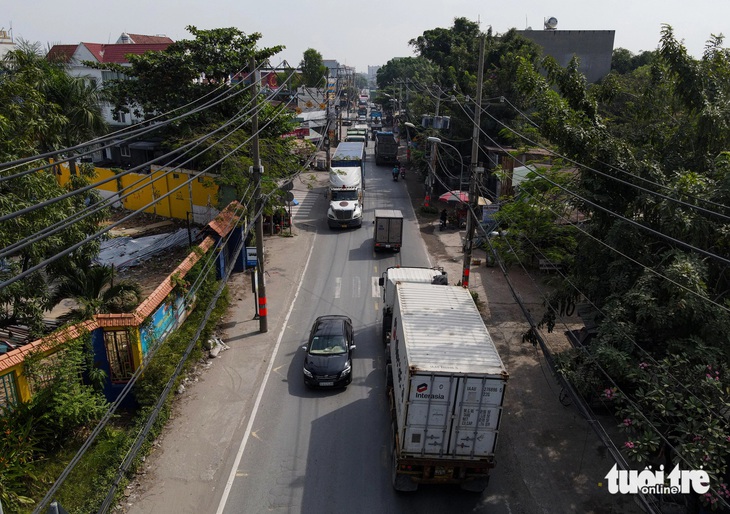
[(476, 171), (259, 205)]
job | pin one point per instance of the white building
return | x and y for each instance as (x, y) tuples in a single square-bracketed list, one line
[(75, 55)]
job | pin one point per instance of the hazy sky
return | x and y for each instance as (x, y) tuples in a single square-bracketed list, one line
[(359, 33)]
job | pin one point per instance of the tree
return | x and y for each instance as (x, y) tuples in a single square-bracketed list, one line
[(160, 82), (660, 304), (624, 61), (31, 121), (313, 69), (94, 290), (453, 50)]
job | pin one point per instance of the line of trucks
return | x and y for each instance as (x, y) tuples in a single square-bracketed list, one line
[(445, 381)]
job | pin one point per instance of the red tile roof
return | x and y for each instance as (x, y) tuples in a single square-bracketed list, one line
[(18, 355), (118, 53), (61, 53), (226, 219), (141, 39)]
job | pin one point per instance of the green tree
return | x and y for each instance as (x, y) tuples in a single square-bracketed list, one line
[(660, 303), (31, 121), (94, 290), (313, 69), (159, 82), (536, 220), (453, 50)]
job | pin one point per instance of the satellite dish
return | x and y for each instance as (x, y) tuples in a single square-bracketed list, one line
[(551, 23)]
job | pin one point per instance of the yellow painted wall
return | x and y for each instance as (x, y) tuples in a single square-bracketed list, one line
[(143, 188)]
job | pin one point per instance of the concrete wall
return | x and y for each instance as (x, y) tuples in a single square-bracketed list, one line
[(594, 48), (199, 197)]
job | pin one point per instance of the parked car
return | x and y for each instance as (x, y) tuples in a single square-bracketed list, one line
[(328, 358), (6, 346)]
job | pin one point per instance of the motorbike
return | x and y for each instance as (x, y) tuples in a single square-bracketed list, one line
[(395, 174), (403, 173)]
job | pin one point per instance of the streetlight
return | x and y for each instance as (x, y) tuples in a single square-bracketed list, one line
[(437, 141), (408, 125)]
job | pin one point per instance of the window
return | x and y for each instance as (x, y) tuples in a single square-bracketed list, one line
[(119, 353), (124, 151), (8, 392)]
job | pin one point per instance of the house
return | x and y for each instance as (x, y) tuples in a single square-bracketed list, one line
[(6, 43), (75, 55)]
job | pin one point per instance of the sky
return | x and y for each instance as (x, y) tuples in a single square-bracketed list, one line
[(355, 33)]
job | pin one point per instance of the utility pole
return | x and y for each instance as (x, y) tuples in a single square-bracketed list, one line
[(431, 175), (327, 122), (258, 170), (476, 171)]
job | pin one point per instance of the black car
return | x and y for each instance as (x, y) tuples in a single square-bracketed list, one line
[(328, 359)]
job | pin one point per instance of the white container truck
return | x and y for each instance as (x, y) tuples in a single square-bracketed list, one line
[(446, 389), (345, 196), (395, 275)]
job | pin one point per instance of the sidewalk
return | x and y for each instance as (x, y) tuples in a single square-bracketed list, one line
[(187, 473), (545, 441)]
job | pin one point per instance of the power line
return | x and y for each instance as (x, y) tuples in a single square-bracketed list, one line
[(129, 132), (105, 203), (623, 218), (96, 235)]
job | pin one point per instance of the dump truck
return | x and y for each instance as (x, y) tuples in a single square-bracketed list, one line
[(446, 385), (386, 148), (395, 275), (388, 229)]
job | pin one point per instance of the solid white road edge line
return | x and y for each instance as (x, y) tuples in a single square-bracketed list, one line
[(242, 447)]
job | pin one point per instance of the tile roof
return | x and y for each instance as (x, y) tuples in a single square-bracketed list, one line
[(17, 356), (141, 39), (226, 219), (117, 53), (118, 320), (61, 53), (148, 306)]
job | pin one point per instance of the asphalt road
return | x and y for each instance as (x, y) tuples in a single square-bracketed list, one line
[(248, 437)]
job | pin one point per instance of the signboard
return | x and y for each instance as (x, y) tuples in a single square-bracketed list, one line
[(251, 260)]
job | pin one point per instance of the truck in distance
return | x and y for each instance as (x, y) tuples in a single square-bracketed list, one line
[(388, 229), (386, 148)]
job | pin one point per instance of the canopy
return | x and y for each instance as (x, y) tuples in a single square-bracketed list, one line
[(462, 196)]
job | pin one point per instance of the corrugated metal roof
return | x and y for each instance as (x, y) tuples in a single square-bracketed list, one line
[(444, 332)]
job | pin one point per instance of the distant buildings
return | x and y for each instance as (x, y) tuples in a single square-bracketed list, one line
[(6, 43), (594, 48)]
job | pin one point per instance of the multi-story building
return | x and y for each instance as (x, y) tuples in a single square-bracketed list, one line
[(594, 48), (75, 55)]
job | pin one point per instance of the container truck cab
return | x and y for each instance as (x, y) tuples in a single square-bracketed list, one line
[(345, 197)]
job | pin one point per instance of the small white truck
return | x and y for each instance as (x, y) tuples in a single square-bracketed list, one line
[(395, 275), (388, 233), (446, 385)]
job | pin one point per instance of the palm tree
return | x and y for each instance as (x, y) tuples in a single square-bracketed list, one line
[(94, 290)]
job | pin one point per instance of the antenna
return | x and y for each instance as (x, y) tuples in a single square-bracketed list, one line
[(551, 23)]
